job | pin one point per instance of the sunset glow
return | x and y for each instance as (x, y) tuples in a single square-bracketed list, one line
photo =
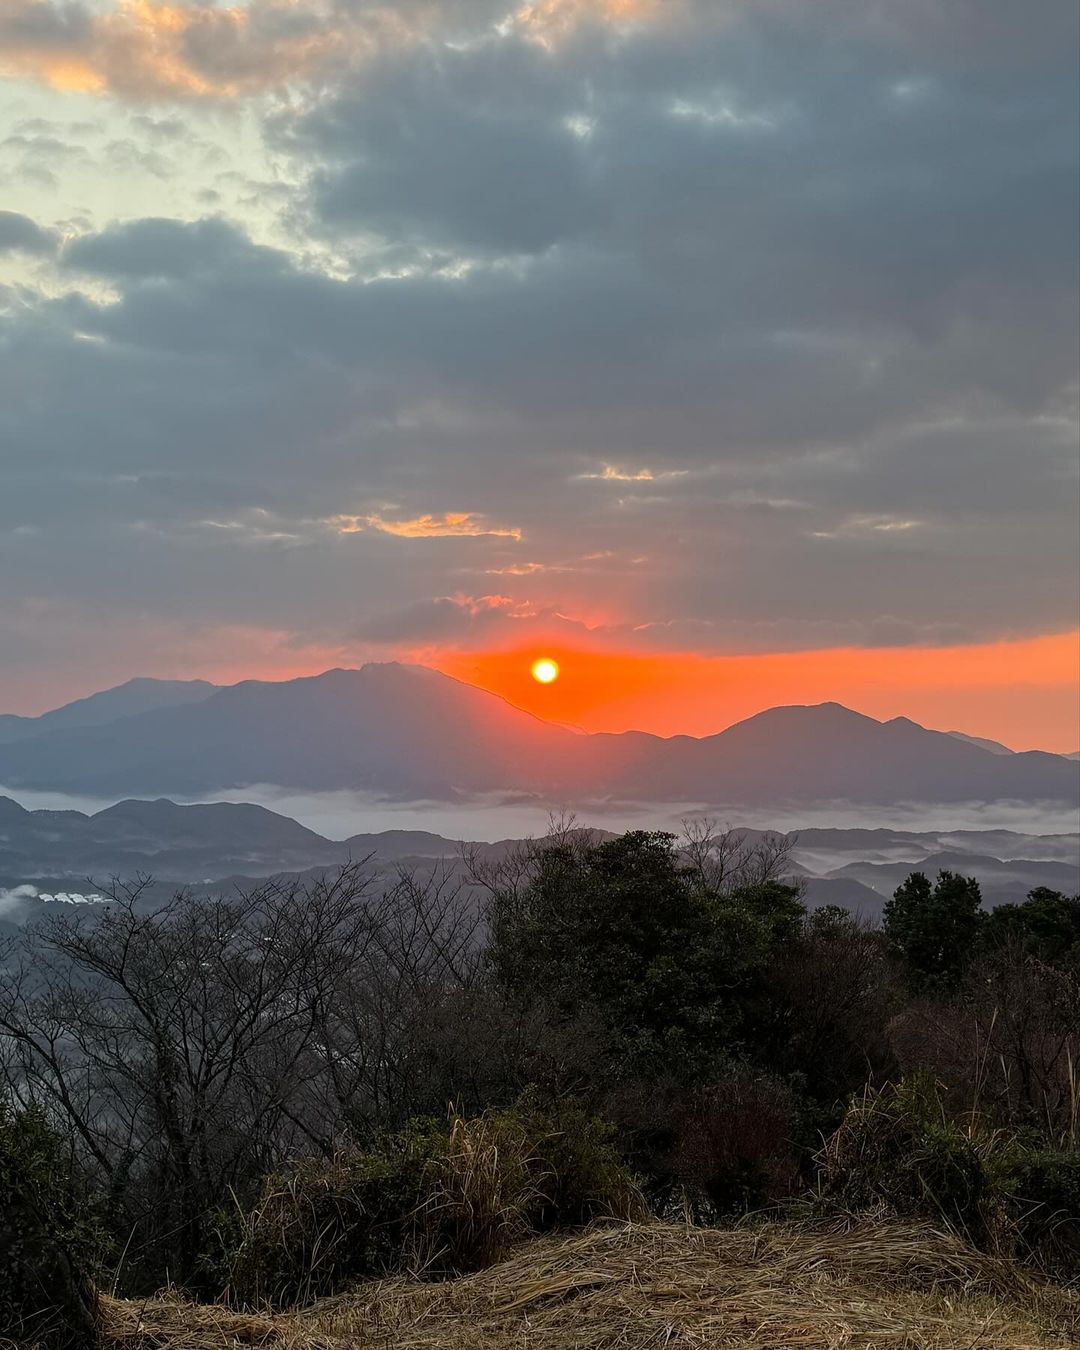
[(545, 671), (1022, 693), (503, 340)]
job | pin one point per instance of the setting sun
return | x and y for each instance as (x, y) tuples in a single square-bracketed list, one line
[(545, 670)]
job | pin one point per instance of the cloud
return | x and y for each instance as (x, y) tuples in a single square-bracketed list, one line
[(154, 50), (162, 248), (445, 618), (141, 49), (18, 233), (713, 324), (610, 474), (448, 525)]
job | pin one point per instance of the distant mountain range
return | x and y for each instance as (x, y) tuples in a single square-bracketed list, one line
[(411, 732), (181, 844), (217, 846)]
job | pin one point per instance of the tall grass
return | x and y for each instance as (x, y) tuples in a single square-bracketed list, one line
[(428, 1200), (900, 1149)]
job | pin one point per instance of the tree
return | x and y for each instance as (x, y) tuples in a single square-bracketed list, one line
[(836, 984), (48, 1244), (191, 1049), (627, 929), (935, 929), (1045, 925)]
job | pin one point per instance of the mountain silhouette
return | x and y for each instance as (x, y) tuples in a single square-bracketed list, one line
[(410, 732), (134, 696)]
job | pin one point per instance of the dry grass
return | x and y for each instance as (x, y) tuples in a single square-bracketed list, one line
[(425, 1201), (633, 1286)]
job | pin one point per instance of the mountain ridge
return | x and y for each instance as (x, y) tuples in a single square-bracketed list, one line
[(139, 694), (411, 732)]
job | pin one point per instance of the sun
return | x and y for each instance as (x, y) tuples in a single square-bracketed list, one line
[(545, 670)]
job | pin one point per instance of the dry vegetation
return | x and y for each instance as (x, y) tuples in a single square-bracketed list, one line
[(870, 1284), (250, 1097)]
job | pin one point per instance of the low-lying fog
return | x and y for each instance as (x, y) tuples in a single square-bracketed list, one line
[(337, 815)]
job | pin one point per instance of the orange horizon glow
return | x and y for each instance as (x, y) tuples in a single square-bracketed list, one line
[(1023, 693)]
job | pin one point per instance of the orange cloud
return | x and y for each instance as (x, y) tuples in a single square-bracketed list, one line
[(1022, 692), (144, 49), (152, 49), (451, 524), (550, 19), (612, 474)]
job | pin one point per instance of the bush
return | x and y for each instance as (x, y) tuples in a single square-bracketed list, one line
[(579, 1169), (330, 1221), (625, 931), (715, 1150), (898, 1149), (1007, 1044), (429, 1200), (48, 1242), (1046, 1185)]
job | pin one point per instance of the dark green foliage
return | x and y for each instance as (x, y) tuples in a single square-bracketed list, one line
[(1046, 925), (430, 1199), (832, 991), (48, 1242), (622, 929), (935, 929), (577, 1166), (330, 1221), (1046, 1185), (900, 1149), (680, 992)]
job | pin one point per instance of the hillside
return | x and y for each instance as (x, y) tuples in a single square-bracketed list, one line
[(410, 732), (175, 843), (126, 700), (652, 1285), (225, 844)]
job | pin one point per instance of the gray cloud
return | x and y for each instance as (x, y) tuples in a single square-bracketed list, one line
[(165, 249), (20, 233), (762, 333)]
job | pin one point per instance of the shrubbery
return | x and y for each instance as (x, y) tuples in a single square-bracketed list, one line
[(717, 1149), (49, 1242), (427, 1199), (898, 1149), (624, 930), (256, 1086), (901, 1150), (1046, 1198)]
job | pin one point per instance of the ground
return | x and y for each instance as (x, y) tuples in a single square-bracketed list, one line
[(871, 1284)]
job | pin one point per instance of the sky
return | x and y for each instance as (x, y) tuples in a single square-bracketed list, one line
[(725, 350)]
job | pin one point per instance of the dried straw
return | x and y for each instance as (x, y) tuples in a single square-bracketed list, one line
[(636, 1286)]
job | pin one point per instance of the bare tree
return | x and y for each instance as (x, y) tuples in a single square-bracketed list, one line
[(195, 1047), (726, 859), (1007, 1044)]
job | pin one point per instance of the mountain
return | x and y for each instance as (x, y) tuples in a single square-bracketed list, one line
[(49, 856), (826, 753), (1000, 880), (995, 747), (175, 843), (845, 892), (126, 700), (410, 732), (389, 728)]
